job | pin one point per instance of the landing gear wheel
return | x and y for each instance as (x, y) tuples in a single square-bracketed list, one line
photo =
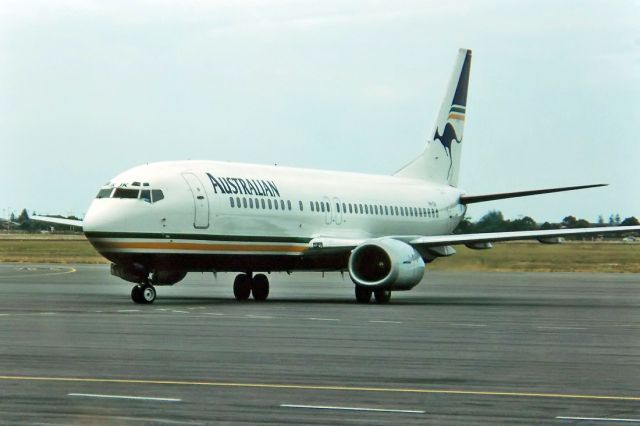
[(363, 294), (148, 294), (136, 294), (144, 293), (242, 287), (382, 296), (260, 287)]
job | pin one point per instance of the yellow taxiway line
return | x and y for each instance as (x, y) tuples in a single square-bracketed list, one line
[(321, 387)]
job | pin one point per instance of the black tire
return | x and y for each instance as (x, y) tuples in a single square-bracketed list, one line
[(382, 296), (363, 294), (260, 287), (136, 294), (242, 287), (148, 294)]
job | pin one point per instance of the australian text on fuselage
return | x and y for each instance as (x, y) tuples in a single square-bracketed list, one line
[(231, 185)]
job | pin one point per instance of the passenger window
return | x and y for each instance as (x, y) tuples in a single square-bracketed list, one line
[(350, 209), (344, 208), (238, 202), (289, 204), (244, 202), (366, 209), (269, 203), (275, 204), (318, 207), (145, 195), (231, 201), (322, 207), (311, 204), (338, 207), (328, 207), (376, 209), (251, 203), (125, 193), (281, 204), (301, 205), (262, 204), (257, 203)]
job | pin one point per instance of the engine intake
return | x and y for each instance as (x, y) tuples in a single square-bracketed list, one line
[(386, 263)]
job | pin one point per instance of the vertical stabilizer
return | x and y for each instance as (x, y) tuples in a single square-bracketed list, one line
[(440, 160)]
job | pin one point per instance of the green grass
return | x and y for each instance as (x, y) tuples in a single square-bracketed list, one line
[(568, 257)]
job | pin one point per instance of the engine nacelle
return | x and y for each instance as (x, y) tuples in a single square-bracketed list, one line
[(160, 277), (386, 263)]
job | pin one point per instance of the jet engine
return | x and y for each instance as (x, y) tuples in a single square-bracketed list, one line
[(386, 263)]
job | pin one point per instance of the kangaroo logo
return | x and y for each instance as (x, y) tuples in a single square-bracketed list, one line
[(446, 138)]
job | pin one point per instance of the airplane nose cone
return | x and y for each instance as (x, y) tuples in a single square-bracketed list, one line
[(97, 218)]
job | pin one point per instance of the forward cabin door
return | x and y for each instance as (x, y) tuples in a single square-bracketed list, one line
[(200, 201)]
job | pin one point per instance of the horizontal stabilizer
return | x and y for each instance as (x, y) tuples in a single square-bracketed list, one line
[(469, 199)]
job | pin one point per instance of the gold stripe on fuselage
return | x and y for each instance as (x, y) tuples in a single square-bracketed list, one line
[(456, 116), (240, 248)]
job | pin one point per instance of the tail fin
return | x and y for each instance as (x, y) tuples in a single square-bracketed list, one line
[(440, 160)]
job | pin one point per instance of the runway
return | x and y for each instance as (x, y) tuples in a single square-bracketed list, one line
[(461, 348)]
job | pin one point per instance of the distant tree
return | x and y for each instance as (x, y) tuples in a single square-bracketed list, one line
[(465, 226), (614, 220), (569, 222), (548, 225), (491, 222), (630, 221), (523, 224), (600, 220), (12, 218), (24, 216)]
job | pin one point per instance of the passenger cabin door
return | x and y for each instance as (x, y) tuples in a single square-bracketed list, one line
[(200, 201)]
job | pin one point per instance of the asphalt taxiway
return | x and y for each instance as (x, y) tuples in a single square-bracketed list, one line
[(461, 348)]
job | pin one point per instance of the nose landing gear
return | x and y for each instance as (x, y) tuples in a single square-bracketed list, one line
[(143, 293), (245, 285)]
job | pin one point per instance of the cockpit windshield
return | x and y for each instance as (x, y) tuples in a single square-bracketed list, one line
[(147, 195)]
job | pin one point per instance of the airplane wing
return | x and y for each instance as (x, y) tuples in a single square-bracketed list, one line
[(57, 220), (454, 239), (439, 240)]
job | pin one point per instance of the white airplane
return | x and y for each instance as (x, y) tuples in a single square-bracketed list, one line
[(158, 222)]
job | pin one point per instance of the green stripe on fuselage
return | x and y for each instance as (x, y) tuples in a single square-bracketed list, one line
[(199, 237)]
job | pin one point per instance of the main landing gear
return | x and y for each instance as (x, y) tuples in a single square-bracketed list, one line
[(143, 293), (363, 294), (245, 285)]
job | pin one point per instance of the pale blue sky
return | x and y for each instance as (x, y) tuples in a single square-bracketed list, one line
[(89, 89)]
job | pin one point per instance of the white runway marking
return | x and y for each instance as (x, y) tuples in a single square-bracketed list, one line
[(386, 322), (323, 319), (180, 312), (213, 313), (329, 407), (4, 315), (599, 419), (259, 316), (561, 328), (129, 310), (144, 398), (467, 325), (48, 313)]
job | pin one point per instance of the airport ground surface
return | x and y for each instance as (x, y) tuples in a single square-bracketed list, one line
[(462, 348)]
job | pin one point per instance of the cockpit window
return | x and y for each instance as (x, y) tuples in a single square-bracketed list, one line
[(126, 193), (104, 193), (145, 195), (157, 195)]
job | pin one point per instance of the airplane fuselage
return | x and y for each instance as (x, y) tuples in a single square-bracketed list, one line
[(217, 216)]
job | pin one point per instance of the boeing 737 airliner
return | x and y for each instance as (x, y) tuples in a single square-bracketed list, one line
[(158, 222)]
